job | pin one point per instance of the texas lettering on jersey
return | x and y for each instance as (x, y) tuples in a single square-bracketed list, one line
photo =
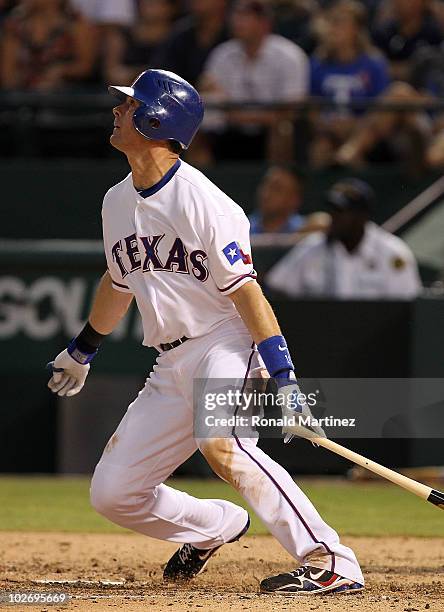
[(129, 257), (180, 250)]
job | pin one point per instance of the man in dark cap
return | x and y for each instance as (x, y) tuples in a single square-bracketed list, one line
[(354, 259)]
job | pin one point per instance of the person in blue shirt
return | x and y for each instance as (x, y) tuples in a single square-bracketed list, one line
[(345, 66), (279, 198)]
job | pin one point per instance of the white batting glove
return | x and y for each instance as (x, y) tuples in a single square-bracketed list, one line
[(68, 375), (294, 407)]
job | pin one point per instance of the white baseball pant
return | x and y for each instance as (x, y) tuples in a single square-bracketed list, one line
[(156, 436)]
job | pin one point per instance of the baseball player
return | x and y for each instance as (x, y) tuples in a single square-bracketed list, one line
[(181, 247)]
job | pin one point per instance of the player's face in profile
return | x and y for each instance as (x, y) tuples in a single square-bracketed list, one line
[(125, 137)]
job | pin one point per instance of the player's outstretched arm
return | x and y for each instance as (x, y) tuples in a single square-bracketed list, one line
[(70, 368), (261, 322)]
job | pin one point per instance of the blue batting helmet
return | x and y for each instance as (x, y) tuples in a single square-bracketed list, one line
[(170, 109)]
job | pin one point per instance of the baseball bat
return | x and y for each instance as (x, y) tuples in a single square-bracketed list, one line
[(417, 488)]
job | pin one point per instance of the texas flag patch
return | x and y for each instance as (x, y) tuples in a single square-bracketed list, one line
[(234, 253)]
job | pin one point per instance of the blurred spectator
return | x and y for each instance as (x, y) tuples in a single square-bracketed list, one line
[(293, 19), (257, 66), (427, 71), (279, 198), (412, 25), (437, 9), (435, 149), (193, 37), (344, 67), (107, 17), (373, 7), (390, 136), (45, 46), (107, 12), (427, 76), (129, 51), (356, 259), (5, 8)]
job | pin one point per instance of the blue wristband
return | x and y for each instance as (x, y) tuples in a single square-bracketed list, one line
[(79, 355), (274, 352)]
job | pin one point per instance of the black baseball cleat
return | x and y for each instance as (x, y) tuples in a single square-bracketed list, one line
[(189, 561), (308, 580)]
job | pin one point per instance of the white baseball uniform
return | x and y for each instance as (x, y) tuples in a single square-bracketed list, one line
[(181, 247)]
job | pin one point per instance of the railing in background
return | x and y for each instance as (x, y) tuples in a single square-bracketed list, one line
[(416, 207), (22, 114), (94, 100)]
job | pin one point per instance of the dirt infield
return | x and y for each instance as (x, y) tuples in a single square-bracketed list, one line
[(403, 574)]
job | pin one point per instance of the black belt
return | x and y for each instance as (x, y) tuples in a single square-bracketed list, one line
[(170, 345)]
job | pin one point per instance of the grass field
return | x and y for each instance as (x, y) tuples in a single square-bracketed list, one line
[(376, 509)]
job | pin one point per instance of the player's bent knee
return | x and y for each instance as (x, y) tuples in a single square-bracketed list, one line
[(104, 496), (112, 497)]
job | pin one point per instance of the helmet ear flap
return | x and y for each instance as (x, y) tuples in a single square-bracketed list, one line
[(146, 122), (140, 120)]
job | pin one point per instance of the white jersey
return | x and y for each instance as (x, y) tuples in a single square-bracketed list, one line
[(279, 72), (381, 267), (181, 247)]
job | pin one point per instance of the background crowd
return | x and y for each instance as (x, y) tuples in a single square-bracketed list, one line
[(320, 83), (347, 52)]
